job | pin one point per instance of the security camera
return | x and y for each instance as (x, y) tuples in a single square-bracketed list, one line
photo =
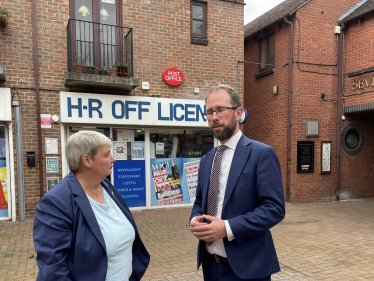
[(343, 117), (323, 95)]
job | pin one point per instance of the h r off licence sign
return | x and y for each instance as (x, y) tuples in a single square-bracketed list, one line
[(173, 76)]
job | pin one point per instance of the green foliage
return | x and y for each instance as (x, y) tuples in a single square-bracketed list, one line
[(121, 63), (5, 11)]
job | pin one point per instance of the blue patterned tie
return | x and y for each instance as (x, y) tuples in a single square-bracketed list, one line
[(213, 191)]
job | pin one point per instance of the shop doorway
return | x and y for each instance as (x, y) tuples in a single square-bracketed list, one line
[(129, 169)]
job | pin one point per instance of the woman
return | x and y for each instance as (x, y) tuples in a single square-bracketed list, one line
[(83, 229)]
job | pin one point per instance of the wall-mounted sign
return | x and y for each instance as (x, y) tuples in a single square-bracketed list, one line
[(326, 157), (51, 164), (305, 156), (51, 146), (173, 76), (131, 110), (45, 120)]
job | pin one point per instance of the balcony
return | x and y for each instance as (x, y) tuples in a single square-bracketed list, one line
[(99, 55)]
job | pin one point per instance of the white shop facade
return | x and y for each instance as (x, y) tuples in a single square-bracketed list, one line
[(157, 143)]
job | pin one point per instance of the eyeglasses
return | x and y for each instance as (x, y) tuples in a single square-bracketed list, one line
[(219, 111)]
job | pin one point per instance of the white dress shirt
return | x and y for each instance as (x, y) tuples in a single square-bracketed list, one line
[(217, 246)]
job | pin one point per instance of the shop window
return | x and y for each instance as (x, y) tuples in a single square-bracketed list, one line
[(175, 161), (198, 23), (353, 139), (267, 52)]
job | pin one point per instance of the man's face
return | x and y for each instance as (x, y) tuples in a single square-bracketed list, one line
[(225, 124)]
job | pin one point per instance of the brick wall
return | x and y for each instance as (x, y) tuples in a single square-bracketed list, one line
[(314, 42), (161, 40), (357, 180)]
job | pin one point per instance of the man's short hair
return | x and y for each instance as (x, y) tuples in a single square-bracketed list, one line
[(234, 96), (83, 142)]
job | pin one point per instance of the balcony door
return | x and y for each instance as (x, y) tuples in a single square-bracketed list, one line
[(97, 32)]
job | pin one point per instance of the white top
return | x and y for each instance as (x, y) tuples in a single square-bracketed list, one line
[(119, 235), (217, 246)]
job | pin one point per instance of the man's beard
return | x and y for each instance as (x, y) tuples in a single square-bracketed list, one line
[(227, 131)]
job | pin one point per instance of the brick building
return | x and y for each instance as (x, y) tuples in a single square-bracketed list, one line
[(318, 113), (56, 64)]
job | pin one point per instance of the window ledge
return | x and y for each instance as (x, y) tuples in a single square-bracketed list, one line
[(95, 80), (200, 41), (264, 72)]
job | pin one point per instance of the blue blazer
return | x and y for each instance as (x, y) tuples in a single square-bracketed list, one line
[(68, 239), (253, 203)]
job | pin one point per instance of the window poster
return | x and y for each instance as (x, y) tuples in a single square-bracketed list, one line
[(191, 170), (160, 147), (120, 150), (173, 180), (137, 150), (129, 180), (3, 190)]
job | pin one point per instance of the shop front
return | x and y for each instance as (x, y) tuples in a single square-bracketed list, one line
[(7, 191), (157, 143)]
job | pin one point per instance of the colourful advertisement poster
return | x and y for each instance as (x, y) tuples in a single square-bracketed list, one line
[(119, 150), (191, 170), (160, 147), (3, 192), (169, 182), (137, 150), (167, 186)]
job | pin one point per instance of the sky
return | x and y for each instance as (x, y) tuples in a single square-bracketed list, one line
[(255, 8)]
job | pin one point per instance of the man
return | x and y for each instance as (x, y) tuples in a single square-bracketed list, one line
[(239, 197)]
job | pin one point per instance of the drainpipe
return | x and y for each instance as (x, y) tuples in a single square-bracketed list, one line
[(20, 172), (36, 74), (339, 107), (290, 66)]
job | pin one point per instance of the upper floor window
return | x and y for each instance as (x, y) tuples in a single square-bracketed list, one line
[(267, 52), (198, 22)]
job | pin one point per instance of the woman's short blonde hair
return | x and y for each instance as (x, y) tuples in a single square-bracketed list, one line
[(83, 142)]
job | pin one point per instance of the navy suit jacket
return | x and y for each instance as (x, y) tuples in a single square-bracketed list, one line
[(68, 239), (253, 203)]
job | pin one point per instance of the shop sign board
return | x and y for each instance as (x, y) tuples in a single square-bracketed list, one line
[(5, 105), (173, 76), (131, 110)]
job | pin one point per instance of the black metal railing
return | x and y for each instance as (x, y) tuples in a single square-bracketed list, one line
[(98, 48)]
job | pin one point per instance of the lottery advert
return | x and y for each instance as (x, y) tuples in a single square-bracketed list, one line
[(169, 182)]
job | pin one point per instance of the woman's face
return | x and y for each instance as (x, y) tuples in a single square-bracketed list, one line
[(102, 164)]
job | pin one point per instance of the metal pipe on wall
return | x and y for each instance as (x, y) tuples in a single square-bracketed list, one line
[(36, 75), (290, 63), (338, 110), (19, 153)]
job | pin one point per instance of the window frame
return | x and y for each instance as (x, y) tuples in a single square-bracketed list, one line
[(267, 37), (204, 6)]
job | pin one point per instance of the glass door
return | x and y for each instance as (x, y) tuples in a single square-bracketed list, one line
[(129, 168), (97, 34)]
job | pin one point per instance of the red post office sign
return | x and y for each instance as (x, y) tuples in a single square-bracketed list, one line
[(173, 76)]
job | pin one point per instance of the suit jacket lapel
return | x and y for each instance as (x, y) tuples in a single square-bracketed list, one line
[(241, 155), (85, 207)]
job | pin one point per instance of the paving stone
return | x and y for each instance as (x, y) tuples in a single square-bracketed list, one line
[(316, 241)]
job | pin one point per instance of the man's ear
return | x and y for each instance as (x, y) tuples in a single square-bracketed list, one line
[(86, 160), (238, 113)]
